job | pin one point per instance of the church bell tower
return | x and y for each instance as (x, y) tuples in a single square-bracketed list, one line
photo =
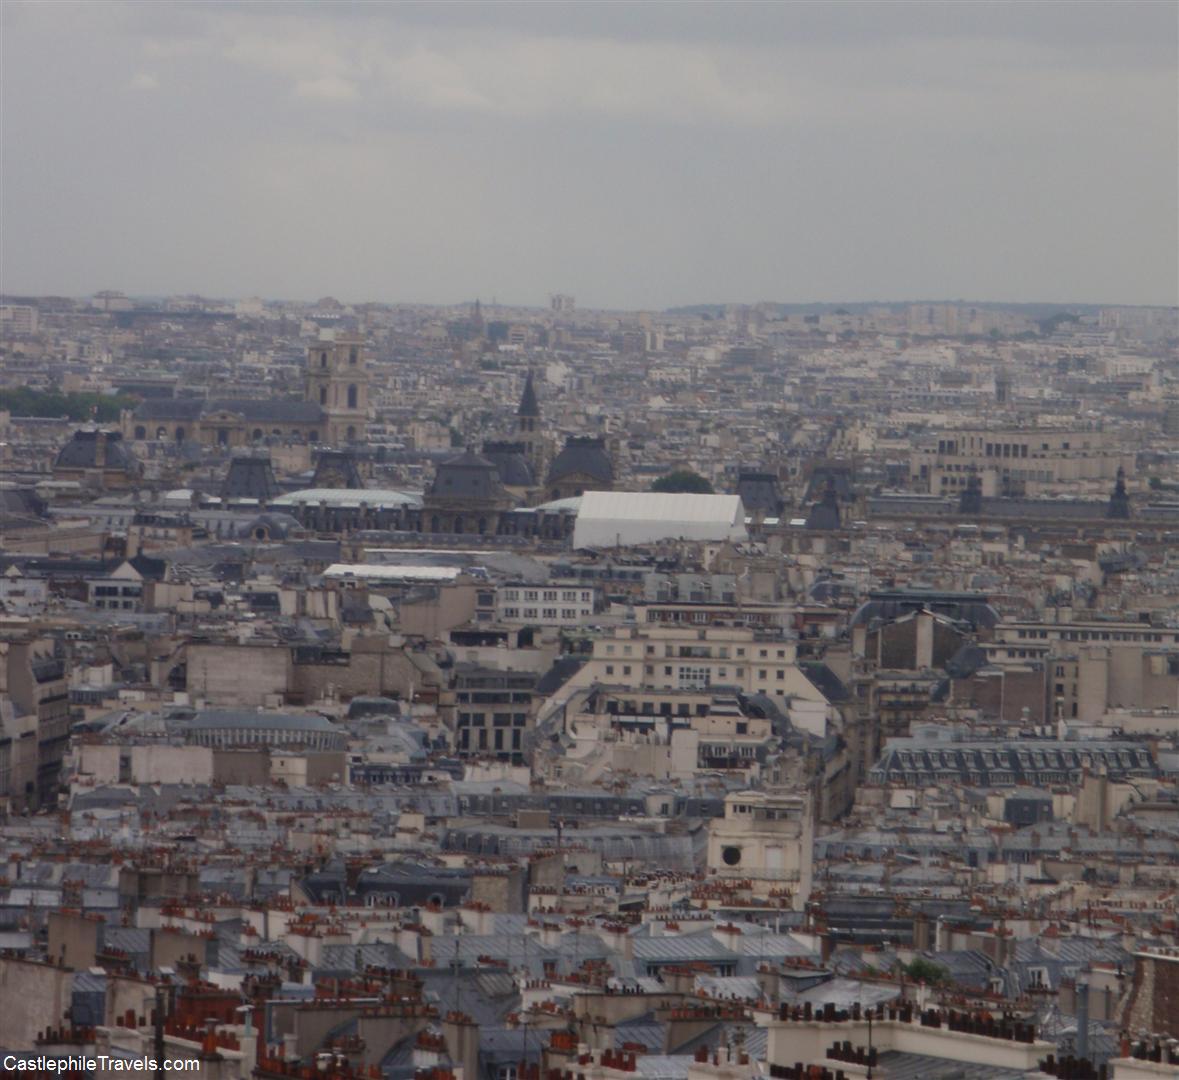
[(337, 381)]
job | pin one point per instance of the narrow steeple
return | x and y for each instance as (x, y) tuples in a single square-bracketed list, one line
[(1119, 501), (528, 428), (529, 407)]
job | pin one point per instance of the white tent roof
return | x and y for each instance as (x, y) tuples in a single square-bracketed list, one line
[(621, 518), (385, 572)]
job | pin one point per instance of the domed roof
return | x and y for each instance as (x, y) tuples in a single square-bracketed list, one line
[(95, 449), (583, 457), (467, 476), (511, 461), (760, 491)]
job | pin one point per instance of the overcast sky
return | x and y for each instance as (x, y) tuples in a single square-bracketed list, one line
[(635, 155)]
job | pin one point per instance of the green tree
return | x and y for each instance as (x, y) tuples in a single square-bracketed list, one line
[(926, 971), (681, 481), (24, 401)]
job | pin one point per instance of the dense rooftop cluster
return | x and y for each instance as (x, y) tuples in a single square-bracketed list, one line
[(364, 712)]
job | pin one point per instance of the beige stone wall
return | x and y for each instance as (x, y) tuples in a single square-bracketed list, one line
[(35, 996), (237, 675)]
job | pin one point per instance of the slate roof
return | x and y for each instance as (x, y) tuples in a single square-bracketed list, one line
[(678, 948), (511, 461), (887, 605), (333, 465), (559, 674), (518, 950), (483, 995), (823, 679), (81, 452), (469, 476), (824, 514), (760, 492), (642, 1030), (250, 477), (583, 457), (23, 501), (244, 718), (356, 958), (262, 410)]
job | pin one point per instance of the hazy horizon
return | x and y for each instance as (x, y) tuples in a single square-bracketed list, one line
[(639, 156), (542, 304)]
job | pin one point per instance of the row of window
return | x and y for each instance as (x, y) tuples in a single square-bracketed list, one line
[(567, 595), (571, 614), (702, 651), (114, 590), (1098, 635), (478, 719), (746, 618), (497, 741)]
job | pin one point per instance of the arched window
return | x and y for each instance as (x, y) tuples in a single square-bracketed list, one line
[(434, 524), (352, 396), (323, 395), (323, 359), (353, 355), (180, 434), (256, 434), (161, 433), (141, 432), (483, 525), (313, 437)]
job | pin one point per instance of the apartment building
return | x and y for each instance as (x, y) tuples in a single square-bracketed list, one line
[(556, 603), (666, 656), (33, 677), (1095, 666), (493, 712)]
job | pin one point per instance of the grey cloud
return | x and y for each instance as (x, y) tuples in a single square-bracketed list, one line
[(637, 155)]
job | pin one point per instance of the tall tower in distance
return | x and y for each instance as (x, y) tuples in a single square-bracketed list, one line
[(528, 428), (337, 381)]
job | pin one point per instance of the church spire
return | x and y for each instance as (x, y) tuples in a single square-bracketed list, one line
[(1119, 501), (529, 407), (528, 428)]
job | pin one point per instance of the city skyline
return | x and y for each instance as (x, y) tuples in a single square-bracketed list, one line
[(638, 158)]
